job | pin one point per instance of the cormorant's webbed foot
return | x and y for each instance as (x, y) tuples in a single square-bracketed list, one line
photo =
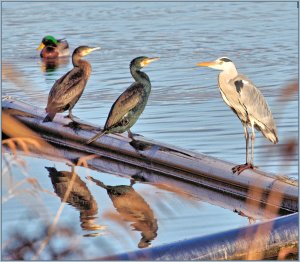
[(71, 116), (240, 168), (74, 125), (139, 145)]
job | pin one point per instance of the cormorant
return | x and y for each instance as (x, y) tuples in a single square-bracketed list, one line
[(67, 90), (131, 103)]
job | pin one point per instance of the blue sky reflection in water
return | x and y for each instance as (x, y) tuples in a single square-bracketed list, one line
[(185, 108)]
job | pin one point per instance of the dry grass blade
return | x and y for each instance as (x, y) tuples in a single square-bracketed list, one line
[(22, 141), (82, 161), (275, 197), (286, 251), (56, 218), (27, 139)]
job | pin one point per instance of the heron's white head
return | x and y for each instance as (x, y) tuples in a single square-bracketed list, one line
[(222, 63)]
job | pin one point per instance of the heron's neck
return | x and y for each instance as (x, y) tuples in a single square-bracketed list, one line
[(141, 77), (229, 73)]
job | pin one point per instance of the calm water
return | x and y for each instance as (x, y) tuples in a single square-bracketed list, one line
[(185, 108)]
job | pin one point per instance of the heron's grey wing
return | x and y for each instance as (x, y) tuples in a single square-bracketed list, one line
[(256, 107), (129, 99), (66, 89), (231, 98)]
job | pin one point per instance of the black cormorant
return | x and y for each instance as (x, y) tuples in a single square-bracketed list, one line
[(131, 103)]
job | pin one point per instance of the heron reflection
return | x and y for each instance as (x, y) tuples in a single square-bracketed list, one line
[(132, 208), (79, 197)]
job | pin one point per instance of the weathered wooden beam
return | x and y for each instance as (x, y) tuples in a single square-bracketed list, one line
[(164, 163)]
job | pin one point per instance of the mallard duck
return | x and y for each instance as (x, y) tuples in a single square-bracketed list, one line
[(52, 48)]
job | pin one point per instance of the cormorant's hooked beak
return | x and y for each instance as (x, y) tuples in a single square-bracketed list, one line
[(208, 64), (41, 46), (147, 61), (89, 50)]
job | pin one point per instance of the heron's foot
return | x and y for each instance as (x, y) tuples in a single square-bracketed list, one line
[(240, 168), (74, 125)]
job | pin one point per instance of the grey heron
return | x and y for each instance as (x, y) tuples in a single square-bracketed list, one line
[(247, 102)]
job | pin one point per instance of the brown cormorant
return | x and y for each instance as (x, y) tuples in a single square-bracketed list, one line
[(68, 89)]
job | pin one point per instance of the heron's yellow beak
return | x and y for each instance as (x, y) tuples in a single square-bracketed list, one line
[(41, 46), (147, 61), (89, 50), (208, 64)]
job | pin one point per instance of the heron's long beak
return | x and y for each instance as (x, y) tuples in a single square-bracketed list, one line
[(208, 64), (41, 46), (149, 60)]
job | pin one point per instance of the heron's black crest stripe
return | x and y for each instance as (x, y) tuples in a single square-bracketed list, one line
[(225, 59), (238, 85)]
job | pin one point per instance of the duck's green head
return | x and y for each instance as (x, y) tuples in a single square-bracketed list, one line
[(48, 40)]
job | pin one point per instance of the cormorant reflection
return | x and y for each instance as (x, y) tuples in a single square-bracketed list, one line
[(132, 208), (80, 197)]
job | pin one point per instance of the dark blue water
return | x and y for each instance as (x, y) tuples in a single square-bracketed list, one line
[(185, 108)]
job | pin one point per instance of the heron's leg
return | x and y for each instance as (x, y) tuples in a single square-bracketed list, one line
[(247, 141), (249, 164), (252, 145)]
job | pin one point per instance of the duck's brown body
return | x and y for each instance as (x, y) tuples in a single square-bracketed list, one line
[(61, 49)]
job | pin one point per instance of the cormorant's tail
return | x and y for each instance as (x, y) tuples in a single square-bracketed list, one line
[(49, 117), (102, 133), (51, 169)]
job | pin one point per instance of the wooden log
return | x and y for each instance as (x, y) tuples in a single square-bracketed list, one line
[(170, 163)]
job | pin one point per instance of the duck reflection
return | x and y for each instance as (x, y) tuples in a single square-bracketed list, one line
[(79, 197), (51, 64), (132, 208)]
